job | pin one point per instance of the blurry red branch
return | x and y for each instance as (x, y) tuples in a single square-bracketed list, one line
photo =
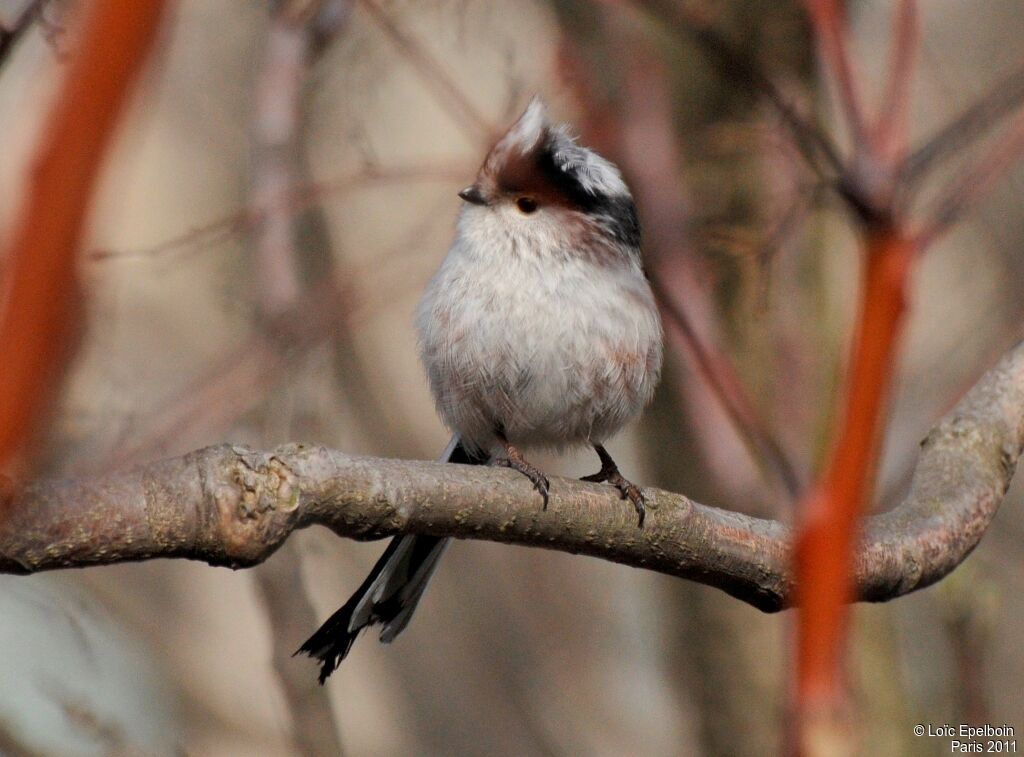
[(41, 283), (829, 518), (831, 513), (889, 133), (234, 506), (878, 187), (828, 19), (877, 181)]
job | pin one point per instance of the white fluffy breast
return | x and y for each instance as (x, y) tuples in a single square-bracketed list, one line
[(521, 334)]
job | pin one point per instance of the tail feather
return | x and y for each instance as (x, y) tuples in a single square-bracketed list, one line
[(391, 591)]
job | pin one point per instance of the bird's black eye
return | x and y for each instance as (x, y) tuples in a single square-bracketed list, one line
[(526, 205)]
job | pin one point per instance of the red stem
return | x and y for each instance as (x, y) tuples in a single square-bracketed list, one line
[(829, 518), (41, 282), (890, 130), (829, 20)]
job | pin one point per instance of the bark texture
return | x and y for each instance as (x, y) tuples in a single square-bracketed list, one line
[(234, 506)]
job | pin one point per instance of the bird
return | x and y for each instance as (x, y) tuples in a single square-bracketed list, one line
[(539, 330)]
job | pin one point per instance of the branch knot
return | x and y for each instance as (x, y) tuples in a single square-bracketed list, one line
[(255, 506)]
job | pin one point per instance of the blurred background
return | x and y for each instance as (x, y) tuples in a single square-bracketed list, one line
[(218, 312)]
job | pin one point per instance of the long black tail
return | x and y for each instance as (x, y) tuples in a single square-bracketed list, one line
[(390, 593)]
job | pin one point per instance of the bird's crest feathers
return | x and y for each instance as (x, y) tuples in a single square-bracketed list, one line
[(535, 151)]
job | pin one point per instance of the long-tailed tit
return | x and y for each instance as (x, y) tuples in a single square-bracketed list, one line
[(539, 330)]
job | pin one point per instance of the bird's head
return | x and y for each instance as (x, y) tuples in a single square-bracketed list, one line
[(538, 184)]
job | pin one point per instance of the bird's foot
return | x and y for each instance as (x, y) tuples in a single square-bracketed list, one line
[(609, 474), (514, 459)]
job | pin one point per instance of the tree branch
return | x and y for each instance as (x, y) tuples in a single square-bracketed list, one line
[(234, 506)]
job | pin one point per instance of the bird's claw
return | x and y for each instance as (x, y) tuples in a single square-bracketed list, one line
[(539, 480), (627, 489), (633, 494)]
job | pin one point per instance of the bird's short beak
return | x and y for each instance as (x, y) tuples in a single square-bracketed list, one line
[(472, 194)]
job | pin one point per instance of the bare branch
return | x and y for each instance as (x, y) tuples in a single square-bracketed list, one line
[(234, 506), (734, 64), (977, 120), (973, 182), (278, 105), (890, 128), (727, 387), (291, 616), (830, 30), (299, 30), (432, 73), (304, 196)]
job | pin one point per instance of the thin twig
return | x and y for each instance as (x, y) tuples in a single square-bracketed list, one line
[(984, 114), (240, 380), (890, 130), (734, 64), (827, 17), (300, 198), (433, 74), (291, 615), (719, 375), (278, 100), (968, 187)]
